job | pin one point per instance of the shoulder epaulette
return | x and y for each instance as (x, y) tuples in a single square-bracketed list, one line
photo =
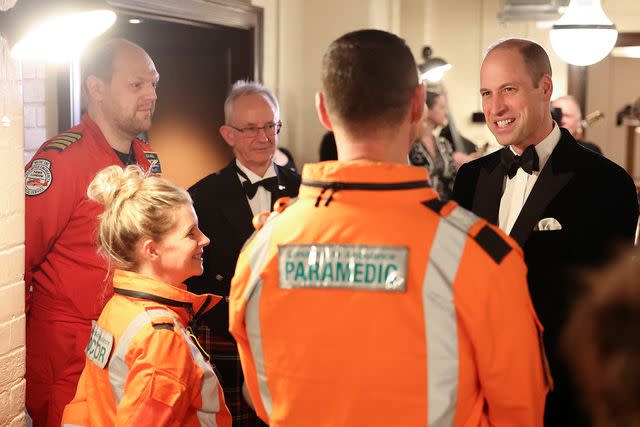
[(168, 326), (487, 238), (62, 141), (435, 205), (162, 322), (493, 244)]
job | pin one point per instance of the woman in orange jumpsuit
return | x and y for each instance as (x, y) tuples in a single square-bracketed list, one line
[(143, 365)]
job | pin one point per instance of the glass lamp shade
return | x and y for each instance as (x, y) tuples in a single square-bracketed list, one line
[(583, 35), (434, 69)]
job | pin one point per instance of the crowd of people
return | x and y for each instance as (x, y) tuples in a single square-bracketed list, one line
[(357, 294)]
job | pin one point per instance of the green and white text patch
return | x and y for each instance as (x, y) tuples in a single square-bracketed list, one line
[(343, 266)]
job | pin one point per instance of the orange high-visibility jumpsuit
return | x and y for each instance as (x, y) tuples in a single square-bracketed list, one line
[(369, 302), (142, 368)]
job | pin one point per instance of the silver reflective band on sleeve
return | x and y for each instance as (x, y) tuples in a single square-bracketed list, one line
[(118, 369), (440, 316), (257, 260)]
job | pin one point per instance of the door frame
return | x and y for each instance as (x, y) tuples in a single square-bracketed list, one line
[(227, 13)]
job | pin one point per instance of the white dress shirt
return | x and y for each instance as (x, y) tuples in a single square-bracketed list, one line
[(261, 202), (517, 189)]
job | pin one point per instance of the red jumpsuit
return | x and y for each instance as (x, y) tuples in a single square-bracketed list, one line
[(66, 280)]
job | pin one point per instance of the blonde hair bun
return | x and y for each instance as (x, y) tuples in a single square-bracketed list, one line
[(136, 205), (113, 184)]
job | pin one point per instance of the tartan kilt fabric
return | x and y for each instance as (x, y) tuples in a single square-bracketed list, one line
[(226, 361)]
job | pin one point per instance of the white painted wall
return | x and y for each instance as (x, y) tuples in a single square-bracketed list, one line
[(612, 84), (298, 32)]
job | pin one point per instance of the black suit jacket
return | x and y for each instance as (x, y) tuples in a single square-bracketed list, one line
[(595, 202), (224, 215)]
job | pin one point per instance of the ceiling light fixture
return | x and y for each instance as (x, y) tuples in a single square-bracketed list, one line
[(584, 35), (56, 31), (433, 69)]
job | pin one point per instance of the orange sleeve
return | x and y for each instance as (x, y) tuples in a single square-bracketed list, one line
[(162, 380), (509, 360), (237, 327), (77, 411)]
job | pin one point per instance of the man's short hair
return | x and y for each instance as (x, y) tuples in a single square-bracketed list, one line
[(368, 77), (535, 58), (97, 60), (247, 87)]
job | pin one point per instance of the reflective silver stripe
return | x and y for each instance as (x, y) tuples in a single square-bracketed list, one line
[(209, 388), (118, 369), (257, 260), (72, 425), (440, 316)]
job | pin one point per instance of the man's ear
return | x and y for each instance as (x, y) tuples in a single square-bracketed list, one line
[(417, 103), (95, 88), (547, 87), (322, 111), (227, 134)]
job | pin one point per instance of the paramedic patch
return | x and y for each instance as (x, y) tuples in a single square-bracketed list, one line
[(100, 344), (355, 267), (38, 177)]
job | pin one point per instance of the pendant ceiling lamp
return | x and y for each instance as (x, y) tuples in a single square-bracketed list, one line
[(584, 35), (433, 68)]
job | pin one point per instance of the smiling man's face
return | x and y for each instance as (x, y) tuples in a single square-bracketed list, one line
[(515, 108)]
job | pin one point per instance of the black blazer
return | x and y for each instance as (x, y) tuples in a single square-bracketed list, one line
[(224, 215), (596, 204)]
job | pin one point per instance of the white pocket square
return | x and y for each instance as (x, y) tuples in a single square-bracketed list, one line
[(548, 224)]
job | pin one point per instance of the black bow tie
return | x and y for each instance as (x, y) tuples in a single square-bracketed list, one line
[(528, 161), (269, 184)]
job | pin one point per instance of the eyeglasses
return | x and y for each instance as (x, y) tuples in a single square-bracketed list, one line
[(270, 129)]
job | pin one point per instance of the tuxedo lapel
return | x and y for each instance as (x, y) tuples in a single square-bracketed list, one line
[(486, 200), (287, 187), (555, 175), (235, 206)]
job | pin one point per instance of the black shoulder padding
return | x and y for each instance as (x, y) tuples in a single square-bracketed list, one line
[(168, 326), (493, 244), (434, 204)]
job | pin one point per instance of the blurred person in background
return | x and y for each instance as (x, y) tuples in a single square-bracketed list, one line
[(603, 346)]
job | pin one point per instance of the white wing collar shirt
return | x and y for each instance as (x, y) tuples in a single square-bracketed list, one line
[(261, 202), (517, 189)]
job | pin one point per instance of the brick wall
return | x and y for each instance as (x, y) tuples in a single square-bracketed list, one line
[(12, 319), (34, 97)]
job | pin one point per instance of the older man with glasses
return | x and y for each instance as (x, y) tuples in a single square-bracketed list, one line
[(226, 202)]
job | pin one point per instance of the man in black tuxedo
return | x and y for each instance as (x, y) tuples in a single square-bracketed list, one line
[(566, 206), (226, 202)]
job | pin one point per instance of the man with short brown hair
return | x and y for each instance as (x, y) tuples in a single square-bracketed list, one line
[(370, 302)]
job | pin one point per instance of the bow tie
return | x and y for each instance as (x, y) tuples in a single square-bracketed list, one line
[(250, 189), (528, 161)]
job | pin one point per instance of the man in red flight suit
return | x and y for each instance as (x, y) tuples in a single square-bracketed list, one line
[(67, 283)]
